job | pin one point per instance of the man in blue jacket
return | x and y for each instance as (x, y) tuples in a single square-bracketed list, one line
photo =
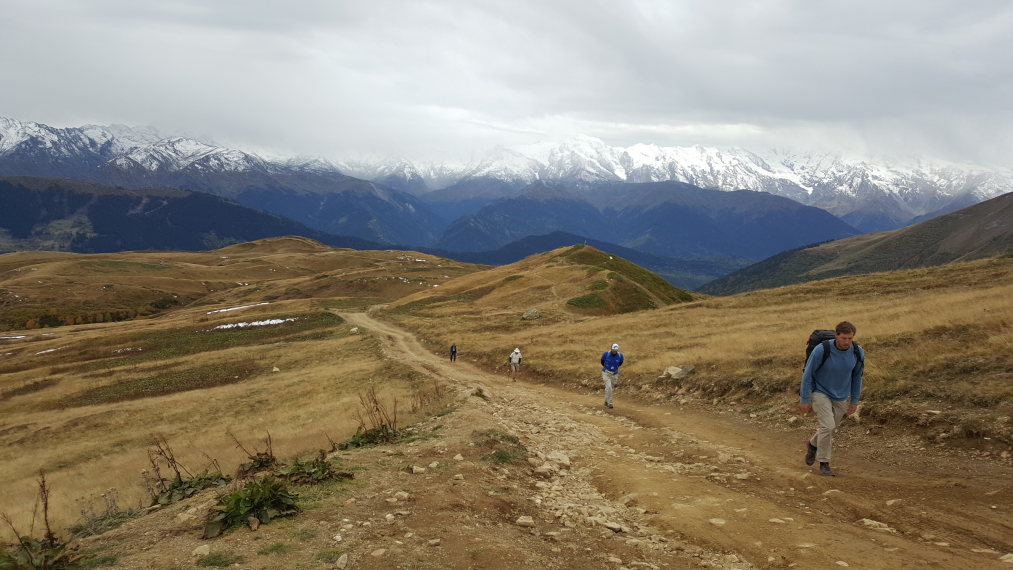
[(831, 388), (611, 360)]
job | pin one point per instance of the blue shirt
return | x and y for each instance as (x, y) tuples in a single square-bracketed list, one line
[(611, 362), (840, 377)]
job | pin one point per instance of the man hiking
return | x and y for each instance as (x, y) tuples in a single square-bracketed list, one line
[(514, 360), (831, 388), (453, 353), (611, 360)]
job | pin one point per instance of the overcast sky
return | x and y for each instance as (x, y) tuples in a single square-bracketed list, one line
[(444, 80)]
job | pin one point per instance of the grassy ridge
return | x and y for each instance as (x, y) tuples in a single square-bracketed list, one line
[(619, 269)]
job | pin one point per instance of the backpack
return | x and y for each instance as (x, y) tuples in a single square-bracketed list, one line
[(825, 337)]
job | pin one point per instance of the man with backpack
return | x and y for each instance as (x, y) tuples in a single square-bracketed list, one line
[(831, 388)]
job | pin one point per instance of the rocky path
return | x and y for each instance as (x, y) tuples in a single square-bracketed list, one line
[(728, 494)]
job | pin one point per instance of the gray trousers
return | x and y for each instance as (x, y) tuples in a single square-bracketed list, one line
[(830, 414), (610, 380)]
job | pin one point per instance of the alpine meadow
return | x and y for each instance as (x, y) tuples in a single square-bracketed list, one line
[(289, 349)]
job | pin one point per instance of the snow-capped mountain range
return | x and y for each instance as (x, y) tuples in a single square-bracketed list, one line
[(868, 194)]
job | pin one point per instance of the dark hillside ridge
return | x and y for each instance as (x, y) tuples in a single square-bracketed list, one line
[(979, 231), (69, 215), (668, 219)]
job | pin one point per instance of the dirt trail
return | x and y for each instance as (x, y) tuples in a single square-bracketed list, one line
[(705, 480)]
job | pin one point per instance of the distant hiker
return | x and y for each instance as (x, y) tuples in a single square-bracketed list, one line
[(611, 360), (831, 388), (515, 363), (453, 353)]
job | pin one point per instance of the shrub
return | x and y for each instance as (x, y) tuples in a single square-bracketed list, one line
[(377, 425), (94, 522), (315, 471), (183, 484), (46, 553), (39, 554), (258, 460), (263, 501), (373, 436), (179, 488)]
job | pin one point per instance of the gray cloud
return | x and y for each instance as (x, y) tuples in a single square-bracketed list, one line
[(444, 79)]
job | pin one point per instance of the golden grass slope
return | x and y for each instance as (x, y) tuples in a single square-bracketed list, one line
[(49, 289)]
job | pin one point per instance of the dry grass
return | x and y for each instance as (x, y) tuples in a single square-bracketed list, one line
[(82, 402), (936, 339)]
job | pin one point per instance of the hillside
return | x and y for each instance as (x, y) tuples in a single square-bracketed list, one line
[(69, 215), (699, 470), (40, 289), (576, 280), (975, 232), (685, 273)]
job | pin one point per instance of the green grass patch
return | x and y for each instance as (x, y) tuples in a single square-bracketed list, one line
[(195, 378), (599, 285), (184, 342), (421, 436), (512, 278), (415, 306), (175, 343), (99, 561), (115, 265), (589, 301), (351, 303), (275, 548), (329, 556), (28, 388), (501, 448), (220, 559)]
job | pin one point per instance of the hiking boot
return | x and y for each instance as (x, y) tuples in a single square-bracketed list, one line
[(608, 405), (825, 470), (810, 453)]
